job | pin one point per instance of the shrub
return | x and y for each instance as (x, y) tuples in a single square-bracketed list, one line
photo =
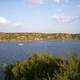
[(45, 67)]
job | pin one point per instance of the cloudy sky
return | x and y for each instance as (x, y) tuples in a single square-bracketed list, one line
[(40, 16)]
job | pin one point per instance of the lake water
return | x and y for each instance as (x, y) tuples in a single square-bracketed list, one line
[(10, 52)]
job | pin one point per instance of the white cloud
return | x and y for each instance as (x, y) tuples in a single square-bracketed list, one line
[(57, 1), (4, 20), (61, 18), (34, 2), (41, 2), (60, 1), (7, 23)]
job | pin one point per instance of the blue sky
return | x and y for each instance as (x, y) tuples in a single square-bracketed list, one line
[(53, 16)]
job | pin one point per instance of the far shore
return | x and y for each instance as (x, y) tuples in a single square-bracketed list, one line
[(37, 36)]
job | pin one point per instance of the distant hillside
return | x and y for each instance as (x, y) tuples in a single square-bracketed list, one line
[(38, 36)]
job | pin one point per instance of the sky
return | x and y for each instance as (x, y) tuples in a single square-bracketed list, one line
[(46, 16)]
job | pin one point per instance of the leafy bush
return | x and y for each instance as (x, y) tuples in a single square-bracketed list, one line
[(45, 67)]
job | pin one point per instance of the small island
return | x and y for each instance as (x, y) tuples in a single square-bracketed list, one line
[(38, 36)]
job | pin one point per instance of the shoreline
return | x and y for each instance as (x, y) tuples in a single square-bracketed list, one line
[(37, 40)]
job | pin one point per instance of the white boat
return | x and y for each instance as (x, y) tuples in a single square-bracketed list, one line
[(20, 44)]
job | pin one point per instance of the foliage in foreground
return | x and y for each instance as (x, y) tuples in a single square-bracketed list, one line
[(45, 67)]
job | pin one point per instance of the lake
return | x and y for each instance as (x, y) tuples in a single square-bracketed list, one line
[(10, 52)]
